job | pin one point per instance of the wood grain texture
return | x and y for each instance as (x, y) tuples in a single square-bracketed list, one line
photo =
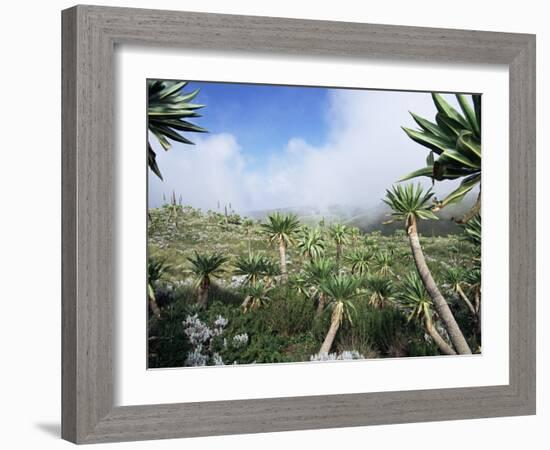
[(88, 210), (68, 225), (89, 36)]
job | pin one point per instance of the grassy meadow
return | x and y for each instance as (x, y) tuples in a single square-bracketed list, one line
[(286, 323)]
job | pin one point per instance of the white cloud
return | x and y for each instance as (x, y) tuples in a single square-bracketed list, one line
[(209, 171), (365, 153)]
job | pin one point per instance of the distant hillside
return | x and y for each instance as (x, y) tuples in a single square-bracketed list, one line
[(370, 219)]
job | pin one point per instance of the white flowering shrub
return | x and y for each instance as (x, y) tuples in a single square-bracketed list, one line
[(206, 349), (345, 355), (196, 358), (197, 332), (219, 324), (200, 336), (240, 340), (217, 359)]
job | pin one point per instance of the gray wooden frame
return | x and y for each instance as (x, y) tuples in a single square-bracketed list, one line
[(90, 34)]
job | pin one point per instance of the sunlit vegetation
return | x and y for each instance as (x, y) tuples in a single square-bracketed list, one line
[(224, 289), (369, 304)]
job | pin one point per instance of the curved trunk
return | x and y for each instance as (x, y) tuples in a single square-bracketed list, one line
[(329, 339), (154, 307), (202, 294), (244, 305), (334, 326), (477, 300), (321, 303), (466, 299), (440, 342), (152, 300), (282, 259), (440, 304), (478, 313)]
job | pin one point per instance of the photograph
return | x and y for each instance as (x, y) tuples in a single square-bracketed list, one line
[(304, 224), (258, 224)]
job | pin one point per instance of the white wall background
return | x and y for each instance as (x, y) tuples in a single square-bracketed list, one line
[(31, 208)]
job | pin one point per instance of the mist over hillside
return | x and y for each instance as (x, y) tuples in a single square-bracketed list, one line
[(369, 219)]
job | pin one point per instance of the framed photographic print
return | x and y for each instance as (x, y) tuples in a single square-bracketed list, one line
[(276, 224)]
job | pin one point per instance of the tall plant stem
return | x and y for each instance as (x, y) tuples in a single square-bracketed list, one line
[(321, 304), (466, 300), (329, 339), (440, 342), (245, 303), (441, 306), (154, 307), (202, 293), (282, 259)]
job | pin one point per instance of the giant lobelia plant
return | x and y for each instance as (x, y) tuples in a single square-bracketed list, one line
[(411, 204), (168, 111), (454, 142)]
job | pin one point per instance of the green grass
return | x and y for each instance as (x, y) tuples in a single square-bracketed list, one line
[(287, 329)]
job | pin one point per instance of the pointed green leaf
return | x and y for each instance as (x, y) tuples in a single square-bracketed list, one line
[(174, 135), (430, 159), (429, 140), (159, 113), (469, 146), (427, 215), (187, 97), (469, 113), (180, 125), (152, 161), (445, 109), (477, 108), (171, 89), (424, 172), (452, 127), (458, 194), (459, 157), (432, 128), (160, 136)]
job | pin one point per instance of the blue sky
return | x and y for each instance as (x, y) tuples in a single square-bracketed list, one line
[(277, 146), (263, 117)]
